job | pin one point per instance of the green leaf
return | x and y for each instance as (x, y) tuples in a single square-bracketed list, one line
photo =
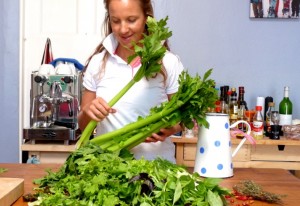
[(178, 192)]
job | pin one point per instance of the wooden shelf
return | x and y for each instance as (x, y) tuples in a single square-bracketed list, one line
[(266, 153), (49, 151), (48, 147), (264, 141)]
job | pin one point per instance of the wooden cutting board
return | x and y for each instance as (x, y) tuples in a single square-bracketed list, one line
[(10, 190)]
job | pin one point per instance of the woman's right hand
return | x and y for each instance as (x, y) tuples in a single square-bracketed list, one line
[(98, 109), (92, 108)]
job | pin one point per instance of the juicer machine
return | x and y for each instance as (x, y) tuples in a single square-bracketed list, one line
[(54, 103)]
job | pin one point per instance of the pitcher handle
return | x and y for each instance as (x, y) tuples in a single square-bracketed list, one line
[(244, 139)]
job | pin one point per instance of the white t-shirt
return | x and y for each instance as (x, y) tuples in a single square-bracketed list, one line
[(142, 96)]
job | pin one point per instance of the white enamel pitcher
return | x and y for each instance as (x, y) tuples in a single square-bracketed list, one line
[(213, 156)]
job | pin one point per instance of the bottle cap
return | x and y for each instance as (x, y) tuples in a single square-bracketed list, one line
[(241, 89), (258, 108)]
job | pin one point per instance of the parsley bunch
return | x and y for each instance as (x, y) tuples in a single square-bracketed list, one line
[(93, 177)]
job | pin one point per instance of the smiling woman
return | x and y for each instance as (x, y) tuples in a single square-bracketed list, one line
[(108, 71)]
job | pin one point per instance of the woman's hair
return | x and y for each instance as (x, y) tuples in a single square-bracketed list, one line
[(147, 8)]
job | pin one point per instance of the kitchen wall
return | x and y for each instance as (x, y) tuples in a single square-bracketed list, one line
[(260, 54), (9, 81)]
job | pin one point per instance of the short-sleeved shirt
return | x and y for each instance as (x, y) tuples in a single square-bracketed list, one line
[(138, 101)]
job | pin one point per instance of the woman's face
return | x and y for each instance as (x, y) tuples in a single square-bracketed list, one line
[(127, 21)]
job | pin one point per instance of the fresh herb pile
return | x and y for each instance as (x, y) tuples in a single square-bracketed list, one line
[(91, 176)]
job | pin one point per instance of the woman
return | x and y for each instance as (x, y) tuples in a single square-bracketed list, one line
[(107, 72)]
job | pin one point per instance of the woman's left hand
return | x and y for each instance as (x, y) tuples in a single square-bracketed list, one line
[(163, 134)]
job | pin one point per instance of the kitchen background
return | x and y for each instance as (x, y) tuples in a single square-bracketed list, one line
[(259, 54)]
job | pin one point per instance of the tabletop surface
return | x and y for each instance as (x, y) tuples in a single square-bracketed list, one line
[(277, 181)]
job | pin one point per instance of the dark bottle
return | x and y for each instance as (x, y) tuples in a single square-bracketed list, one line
[(241, 100), (267, 100), (222, 100), (269, 122), (233, 107), (228, 102), (226, 89)]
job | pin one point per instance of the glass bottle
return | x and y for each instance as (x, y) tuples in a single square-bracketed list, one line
[(241, 116), (285, 109), (228, 102), (222, 100), (269, 122), (258, 124), (241, 100), (233, 107)]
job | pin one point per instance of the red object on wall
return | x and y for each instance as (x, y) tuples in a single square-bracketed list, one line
[(47, 55)]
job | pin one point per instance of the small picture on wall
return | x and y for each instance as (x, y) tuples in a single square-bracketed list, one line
[(274, 9)]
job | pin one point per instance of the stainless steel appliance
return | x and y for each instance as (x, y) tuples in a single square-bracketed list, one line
[(54, 100)]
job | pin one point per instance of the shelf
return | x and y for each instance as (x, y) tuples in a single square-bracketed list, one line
[(48, 147), (264, 141)]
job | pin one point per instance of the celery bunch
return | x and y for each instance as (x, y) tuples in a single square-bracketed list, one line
[(193, 99), (151, 53)]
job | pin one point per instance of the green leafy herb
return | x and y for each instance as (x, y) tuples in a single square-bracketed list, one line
[(99, 178), (151, 51), (2, 170)]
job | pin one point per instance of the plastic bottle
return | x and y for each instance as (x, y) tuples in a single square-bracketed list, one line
[(258, 124), (285, 109)]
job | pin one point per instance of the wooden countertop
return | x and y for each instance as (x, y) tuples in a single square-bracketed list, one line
[(264, 141), (278, 181)]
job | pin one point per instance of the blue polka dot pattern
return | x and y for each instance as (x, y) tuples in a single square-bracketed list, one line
[(231, 166), (202, 150), (226, 125), (203, 170), (217, 143), (229, 143), (220, 166)]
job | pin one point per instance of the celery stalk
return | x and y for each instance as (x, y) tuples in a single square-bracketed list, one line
[(92, 124), (138, 138), (190, 103)]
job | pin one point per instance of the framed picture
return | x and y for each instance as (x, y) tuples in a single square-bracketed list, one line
[(274, 9)]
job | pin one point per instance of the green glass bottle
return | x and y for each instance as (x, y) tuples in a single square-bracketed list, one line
[(285, 109)]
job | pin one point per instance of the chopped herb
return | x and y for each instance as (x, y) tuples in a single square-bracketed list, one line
[(2, 170), (251, 189)]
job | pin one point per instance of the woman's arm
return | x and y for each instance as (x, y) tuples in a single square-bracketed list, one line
[(92, 108)]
